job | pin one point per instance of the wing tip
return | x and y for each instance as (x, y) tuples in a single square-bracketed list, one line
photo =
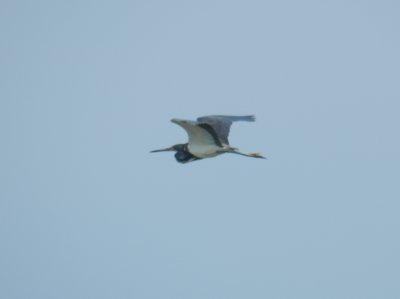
[(251, 118)]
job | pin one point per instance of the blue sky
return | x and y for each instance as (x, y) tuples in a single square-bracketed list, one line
[(87, 89)]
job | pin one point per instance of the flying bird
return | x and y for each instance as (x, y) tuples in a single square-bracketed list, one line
[(208, 137)]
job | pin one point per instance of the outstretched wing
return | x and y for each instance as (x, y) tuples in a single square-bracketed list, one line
[(222, 124), (203, 140), (199, 133)]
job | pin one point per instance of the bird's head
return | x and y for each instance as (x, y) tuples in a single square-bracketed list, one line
[(174, 148), (182, 155)]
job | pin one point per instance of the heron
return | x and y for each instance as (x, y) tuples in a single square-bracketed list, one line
[(208, 137)]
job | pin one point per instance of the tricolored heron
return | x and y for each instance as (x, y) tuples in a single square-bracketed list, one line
[(208, 137)]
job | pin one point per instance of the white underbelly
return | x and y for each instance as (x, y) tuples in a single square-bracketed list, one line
[(204, 150)]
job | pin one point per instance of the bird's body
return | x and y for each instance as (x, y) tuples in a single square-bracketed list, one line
[(208, 137)]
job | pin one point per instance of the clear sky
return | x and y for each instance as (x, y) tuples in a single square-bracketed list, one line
[(87, 89)]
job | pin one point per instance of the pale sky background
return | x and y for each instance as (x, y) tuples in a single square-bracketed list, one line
[(87, 89)]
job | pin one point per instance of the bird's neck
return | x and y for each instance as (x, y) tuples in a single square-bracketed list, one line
[(184, 155)]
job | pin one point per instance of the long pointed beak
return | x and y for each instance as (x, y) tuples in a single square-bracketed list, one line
[(168, 149)]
